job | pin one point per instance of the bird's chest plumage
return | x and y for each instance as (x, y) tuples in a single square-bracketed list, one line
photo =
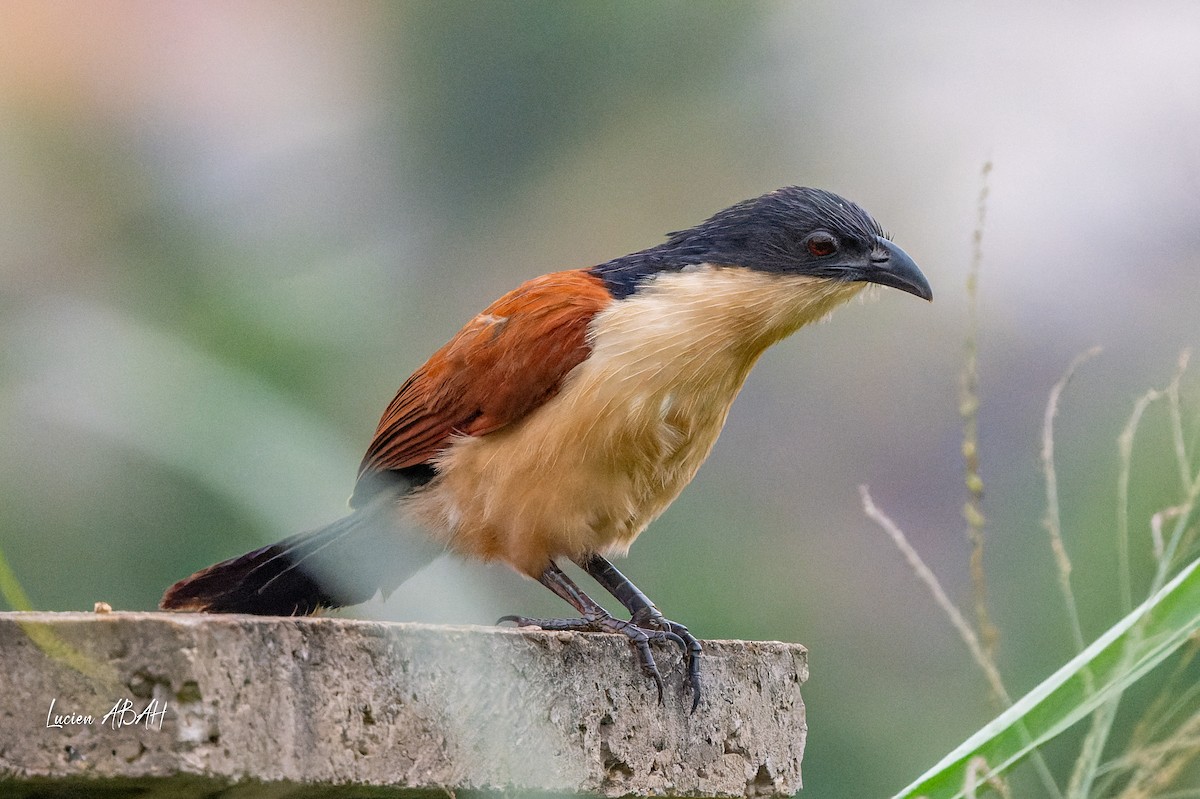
[(592, 467)]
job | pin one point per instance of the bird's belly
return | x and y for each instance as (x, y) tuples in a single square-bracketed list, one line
[(586, 473)]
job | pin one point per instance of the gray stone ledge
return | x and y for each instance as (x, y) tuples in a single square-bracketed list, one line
[(306, 707)]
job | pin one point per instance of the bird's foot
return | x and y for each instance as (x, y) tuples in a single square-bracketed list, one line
[(650, 618), (639, 637)]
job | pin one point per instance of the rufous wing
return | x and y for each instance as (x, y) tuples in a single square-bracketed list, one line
[(503, 365)]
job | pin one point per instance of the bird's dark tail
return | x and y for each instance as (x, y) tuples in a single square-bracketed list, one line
[(343, 563)]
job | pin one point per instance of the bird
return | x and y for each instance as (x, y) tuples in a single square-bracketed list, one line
[(562, 420)]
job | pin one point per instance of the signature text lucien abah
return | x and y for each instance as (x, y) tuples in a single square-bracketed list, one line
[(123, 714)]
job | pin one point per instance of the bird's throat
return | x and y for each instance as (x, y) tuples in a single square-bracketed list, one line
[(696, 313)]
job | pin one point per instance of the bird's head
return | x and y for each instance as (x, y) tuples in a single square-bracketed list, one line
[(793, 231)]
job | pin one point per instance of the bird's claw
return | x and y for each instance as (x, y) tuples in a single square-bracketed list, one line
[(651, 617), (640, 632)]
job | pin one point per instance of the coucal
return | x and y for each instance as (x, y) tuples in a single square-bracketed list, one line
[(568, 415)]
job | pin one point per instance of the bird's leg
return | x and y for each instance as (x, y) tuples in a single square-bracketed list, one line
[(645, 615), (596, 619)]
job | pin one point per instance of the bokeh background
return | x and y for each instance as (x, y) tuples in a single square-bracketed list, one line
[(228, 231)]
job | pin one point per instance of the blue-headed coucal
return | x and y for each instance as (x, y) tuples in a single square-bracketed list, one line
[(569, 414)]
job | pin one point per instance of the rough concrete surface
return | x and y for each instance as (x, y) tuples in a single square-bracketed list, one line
[(260, 706)]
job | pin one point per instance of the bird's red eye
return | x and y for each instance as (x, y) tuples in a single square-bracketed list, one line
[(821, 244)]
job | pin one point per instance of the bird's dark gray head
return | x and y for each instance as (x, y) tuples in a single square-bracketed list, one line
[(793, 230)]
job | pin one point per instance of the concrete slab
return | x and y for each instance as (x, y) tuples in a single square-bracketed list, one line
[(152, 704)]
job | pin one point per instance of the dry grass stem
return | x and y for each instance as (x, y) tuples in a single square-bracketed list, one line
[(1125, 452), (1052, 521), (926, 575), (971, 784), (1166, 706), (969, 411), (1177, 436), (1159, 765), (1156, 525)]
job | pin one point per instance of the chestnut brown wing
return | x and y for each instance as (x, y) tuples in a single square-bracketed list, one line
[(499, 368)]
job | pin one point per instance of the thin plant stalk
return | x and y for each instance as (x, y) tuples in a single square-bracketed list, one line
[(1191, 485), (978, 653), (1125, 459), (1091, 752), (1158, 768), (1053, 519), (1176, 410), (1158, 713), (969, 410)]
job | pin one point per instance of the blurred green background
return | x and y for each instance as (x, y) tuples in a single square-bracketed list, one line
[(229, 230)]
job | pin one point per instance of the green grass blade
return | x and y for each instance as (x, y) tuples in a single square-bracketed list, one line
[(1116, 660), (10, 587)]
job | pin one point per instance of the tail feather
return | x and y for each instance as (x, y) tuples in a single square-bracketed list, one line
[(343, 563)]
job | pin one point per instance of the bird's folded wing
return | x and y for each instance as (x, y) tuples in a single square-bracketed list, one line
[(501, 366)]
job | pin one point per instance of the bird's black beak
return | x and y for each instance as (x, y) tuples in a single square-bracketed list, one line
[(890, 266)]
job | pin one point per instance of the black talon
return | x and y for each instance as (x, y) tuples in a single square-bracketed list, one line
[(691, 652)]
